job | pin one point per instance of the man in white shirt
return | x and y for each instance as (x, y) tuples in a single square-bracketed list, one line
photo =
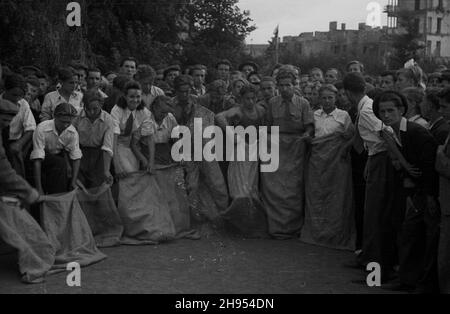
[(17, 139), (66, 94), (52, 140), (94, 81), (378, 233)]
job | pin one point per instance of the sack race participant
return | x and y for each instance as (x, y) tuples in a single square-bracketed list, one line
[(417, 211), (101, 213), (283, 190), (52, 140), (144, 210), (207, 191), (144, 213), (169, 174), (246, 212), (17, 228), (68, 230), (131, 115), (328, 181), (95, 128)]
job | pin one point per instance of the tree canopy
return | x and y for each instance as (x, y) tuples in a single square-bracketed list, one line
[(157, 32)]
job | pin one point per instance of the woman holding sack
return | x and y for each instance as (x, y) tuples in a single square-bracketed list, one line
[(131, 115), (328, 181), (245, 212)]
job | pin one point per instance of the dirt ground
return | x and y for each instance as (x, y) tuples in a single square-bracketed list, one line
[(216, 264)]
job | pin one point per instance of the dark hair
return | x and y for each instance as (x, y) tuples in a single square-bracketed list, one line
[(355, 83), (94, 70), (397, 98), (390, 73), (214, 86), (223, 62), (120, 81), (316, 69), (369, 79), (65, 74), (445, 94), (328, 87), (254, 73), (182, 80), (374, 92), (122, 62), (41, 75), (33, 81), (361, 66), (432, 96), (15, 81), (132, 85), (286, 75), (248, 88), (109, 73), (174, 68), (267, 79), (160, 101), (197, 67), (145, 71), (339, 85), (122, 102), (92, 95)]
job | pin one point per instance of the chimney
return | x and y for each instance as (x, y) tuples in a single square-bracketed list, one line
[(362, 26), (333, 26), (343, 26)]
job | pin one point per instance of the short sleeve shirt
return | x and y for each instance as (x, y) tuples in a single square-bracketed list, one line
[(97, 134), (47, 141)]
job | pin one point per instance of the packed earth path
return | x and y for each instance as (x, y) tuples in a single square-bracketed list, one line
[(217, 264)]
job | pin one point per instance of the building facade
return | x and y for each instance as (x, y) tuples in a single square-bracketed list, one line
[(432, 18), (365, 42)]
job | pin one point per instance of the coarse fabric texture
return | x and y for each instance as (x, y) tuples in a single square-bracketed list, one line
[(207, 190), (125, 156), (144, 211), (20, 231), (101, 212), (246, 213), (283, 190), (67, 228), (329, 211), (171, 183)]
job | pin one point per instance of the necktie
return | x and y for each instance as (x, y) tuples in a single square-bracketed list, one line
[(358, 143), (129, 126)]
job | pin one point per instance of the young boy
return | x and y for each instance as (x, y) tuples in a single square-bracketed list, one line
[(418, 211), (66, 94), (52, 139)]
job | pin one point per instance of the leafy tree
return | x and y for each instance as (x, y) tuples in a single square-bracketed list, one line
[(407, 42), (218, 30)]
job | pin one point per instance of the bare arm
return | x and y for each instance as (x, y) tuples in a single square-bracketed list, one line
[(75, 171)]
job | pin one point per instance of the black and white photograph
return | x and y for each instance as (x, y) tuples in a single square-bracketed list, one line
[(225, 153)]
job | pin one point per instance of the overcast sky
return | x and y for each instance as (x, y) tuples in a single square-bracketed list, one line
[(297, 16)]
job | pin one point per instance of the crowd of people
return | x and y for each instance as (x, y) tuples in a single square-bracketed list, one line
[(364, 161)]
